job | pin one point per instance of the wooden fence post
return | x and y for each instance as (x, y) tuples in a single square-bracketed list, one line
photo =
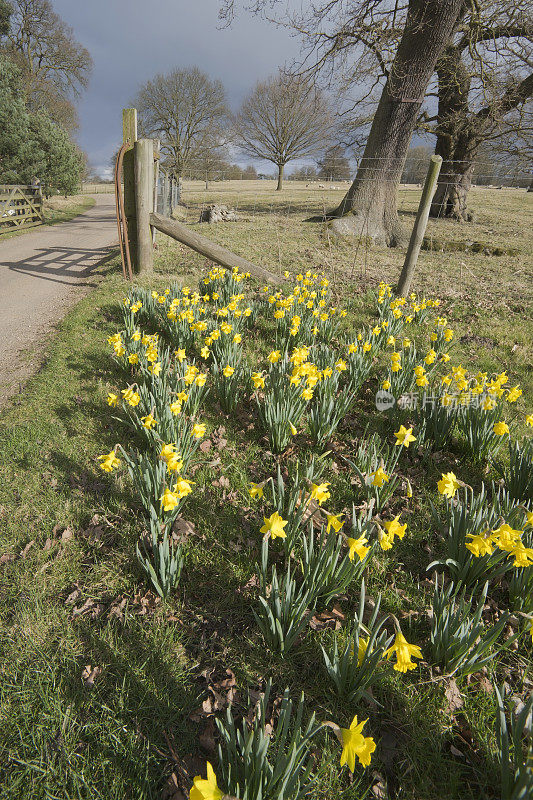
[(129, 134), (144, 201), (419, 228), (157, 158)]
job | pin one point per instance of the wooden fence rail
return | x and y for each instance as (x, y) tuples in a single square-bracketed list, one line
[(20, 207)]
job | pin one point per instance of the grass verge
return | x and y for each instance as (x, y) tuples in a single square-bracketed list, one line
[(75, 604)]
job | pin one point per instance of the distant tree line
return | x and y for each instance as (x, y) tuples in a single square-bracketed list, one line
[(42, 71)]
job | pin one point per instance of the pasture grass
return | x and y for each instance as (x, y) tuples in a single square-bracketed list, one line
[(67, 528)]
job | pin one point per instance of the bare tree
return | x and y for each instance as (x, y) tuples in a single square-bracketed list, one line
[(416, 164), (55, 67), (211, 163), (282, 119), (485, 79), (481, 81), (400, 41), (187, 111), (334, 166)]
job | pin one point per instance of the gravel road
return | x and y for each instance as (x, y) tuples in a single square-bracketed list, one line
[(41, 274)]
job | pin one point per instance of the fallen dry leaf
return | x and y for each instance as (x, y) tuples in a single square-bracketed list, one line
[(145, 603), (325, 619), (454, 698), (67, 534), (89, 607), (73, 596), (182, 529), (117, 608), (89, 675), (24, 553)]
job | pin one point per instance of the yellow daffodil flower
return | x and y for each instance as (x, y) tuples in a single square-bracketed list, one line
[(404, 436), (109, 461), (523, 555), (379, 477), (256, 490), (168, 451), (386, 540), (319, 492), (357, 546), (506, 537), (198, 430), (206, 789), (403, 651), (182, 488), (514, 394), (448, 484), (361, 650), (274, 526), (112, 400), (481, 544), (174, 463), (355, 744), (394, 528), (258, 380), (334, 521), (501, 428)]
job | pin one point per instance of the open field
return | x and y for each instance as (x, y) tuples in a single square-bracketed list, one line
[(75, 598)]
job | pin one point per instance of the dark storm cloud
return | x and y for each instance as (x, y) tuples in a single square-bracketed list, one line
[(131, 40)]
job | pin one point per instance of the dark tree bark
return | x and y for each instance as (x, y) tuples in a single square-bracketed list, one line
[(370, 206), (456, 140), (461, 132), (279, 187)]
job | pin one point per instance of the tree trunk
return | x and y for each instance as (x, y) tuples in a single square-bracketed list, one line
[(458, 140), (450, 199), (370, 206), (460, 132), (279, 187)]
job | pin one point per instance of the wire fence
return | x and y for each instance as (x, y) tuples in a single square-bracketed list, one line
[(268, 226)]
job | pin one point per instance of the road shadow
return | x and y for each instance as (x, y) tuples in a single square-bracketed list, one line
[(64, 265)]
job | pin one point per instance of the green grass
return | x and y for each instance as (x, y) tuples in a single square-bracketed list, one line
[(60, 739), (53, 216)]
